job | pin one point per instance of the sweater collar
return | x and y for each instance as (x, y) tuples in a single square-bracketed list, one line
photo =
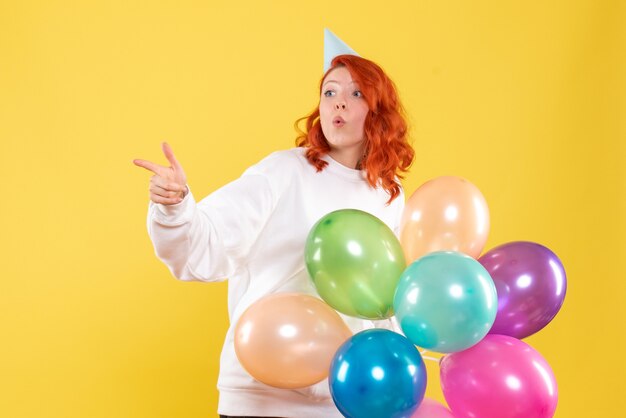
[(342, 170)]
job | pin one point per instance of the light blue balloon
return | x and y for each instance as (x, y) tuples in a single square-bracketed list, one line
[(377, 373), (445, 302)]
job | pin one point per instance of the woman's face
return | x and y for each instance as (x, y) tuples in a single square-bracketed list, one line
[(342, 113)]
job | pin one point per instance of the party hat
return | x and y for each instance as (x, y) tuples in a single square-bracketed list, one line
[(334, 46)]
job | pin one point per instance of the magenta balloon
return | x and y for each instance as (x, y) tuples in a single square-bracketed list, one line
[(432, 409), (531, 284), (500, 377)]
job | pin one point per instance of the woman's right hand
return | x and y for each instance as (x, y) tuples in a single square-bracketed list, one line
[(168, 185)]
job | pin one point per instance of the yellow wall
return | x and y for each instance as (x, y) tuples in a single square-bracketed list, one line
[(525, 99)]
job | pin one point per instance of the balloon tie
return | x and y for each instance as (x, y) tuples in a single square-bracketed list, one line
[(435, 359)]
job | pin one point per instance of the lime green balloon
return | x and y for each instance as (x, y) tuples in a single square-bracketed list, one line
[(355, 262)]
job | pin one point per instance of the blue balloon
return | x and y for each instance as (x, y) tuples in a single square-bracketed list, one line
[(445, 301), (377, 374)]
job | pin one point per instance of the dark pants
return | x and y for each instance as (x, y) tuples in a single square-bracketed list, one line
[(231, 416)]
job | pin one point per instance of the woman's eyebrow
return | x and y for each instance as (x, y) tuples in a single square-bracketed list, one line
[(336, 82)]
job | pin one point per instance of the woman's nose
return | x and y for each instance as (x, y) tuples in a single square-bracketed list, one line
[(340, 105)]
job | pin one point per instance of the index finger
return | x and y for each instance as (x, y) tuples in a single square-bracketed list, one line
[(169, 154), (150, 166)]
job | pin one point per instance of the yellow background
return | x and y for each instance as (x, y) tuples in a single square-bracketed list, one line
[(525, 99)]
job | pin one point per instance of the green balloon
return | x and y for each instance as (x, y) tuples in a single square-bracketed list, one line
[(355, 262)]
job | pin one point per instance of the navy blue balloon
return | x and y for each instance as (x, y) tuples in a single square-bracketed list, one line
[(377, 374)]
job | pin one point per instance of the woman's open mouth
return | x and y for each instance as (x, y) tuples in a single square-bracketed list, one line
[(339, 121)]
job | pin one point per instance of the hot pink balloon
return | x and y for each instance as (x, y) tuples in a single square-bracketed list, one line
[(500, 377), (432, 409)]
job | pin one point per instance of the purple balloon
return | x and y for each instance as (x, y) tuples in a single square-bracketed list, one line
[(531, 284), (500, 377)]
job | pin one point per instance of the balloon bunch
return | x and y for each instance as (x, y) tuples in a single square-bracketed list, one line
[(473, 309), (477, 311)]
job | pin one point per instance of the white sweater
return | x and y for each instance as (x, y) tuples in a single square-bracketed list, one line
[(252, 231)]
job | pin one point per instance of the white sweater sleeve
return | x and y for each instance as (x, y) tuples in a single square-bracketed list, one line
[(208, 240)]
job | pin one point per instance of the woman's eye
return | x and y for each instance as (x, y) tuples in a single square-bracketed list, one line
[(329, 93), (357, 93)]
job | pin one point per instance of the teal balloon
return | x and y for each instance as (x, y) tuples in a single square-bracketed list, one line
[(355, 262), (445, 302)]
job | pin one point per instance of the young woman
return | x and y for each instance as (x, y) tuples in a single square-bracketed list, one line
[(253, 230)]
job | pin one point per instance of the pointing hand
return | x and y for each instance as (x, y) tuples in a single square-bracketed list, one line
[(168, 185)]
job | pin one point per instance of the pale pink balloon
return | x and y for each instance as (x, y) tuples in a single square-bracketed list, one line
[(288, 340), (500, 377), (444, 214), (430, 408)]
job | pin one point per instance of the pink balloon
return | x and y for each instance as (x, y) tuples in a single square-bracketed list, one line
[(431, 409), (500, 377)]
